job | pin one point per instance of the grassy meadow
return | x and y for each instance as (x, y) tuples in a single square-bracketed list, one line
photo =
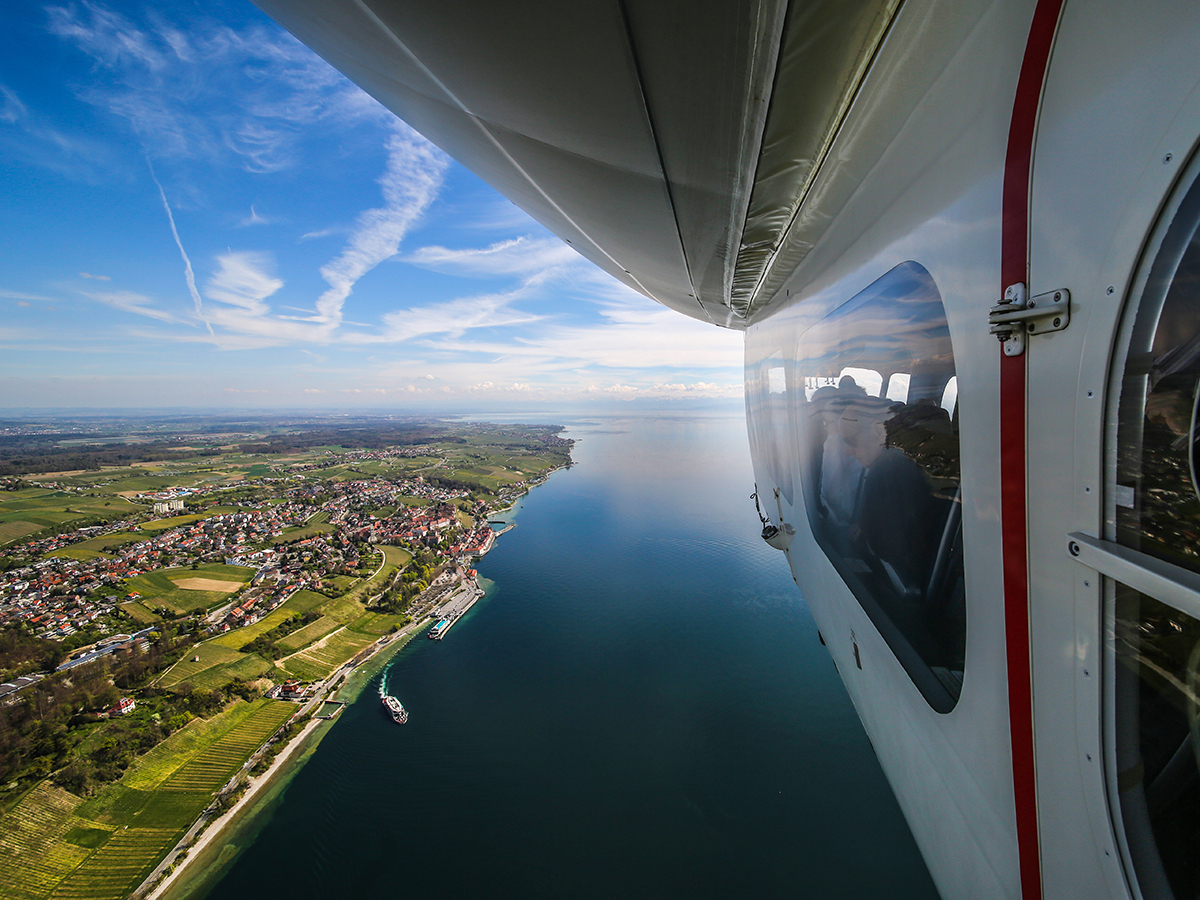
[(161, 588)]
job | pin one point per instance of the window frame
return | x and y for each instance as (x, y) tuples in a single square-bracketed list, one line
[(1172, 585)]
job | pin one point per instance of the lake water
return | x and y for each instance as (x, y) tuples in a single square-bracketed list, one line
[(640, 707)]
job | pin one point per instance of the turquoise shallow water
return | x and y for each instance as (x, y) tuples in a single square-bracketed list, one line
[(640, 707)]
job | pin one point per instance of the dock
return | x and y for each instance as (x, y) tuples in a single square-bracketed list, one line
[(465, 596)]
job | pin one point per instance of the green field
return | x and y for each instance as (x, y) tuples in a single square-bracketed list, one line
[(174, 521), (209, 769), (150, 770), (98, 546), (11, 531), (343, 610), (377, 624), (30, 510), (319, 662), (34, 853), (297, 604), (159, 588), (139, 613), (216, 666), (54, 846), (309, 634), (303, 533)]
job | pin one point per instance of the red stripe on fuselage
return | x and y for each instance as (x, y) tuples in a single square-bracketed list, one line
[(1014, 265)]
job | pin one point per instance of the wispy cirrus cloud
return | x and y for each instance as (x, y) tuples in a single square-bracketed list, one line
[(632, 334), (23, 295), (518, 256), (11, 107), (319, 233), (202, 94), (36, 139), (414, 175), (242, 281), (255, 218), (453, 318), (131, 302), (189, 274)]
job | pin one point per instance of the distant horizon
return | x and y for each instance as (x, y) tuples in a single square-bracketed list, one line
[(639, 406)]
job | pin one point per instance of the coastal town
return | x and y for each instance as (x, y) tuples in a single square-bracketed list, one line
[(60, 595), (242, 585)]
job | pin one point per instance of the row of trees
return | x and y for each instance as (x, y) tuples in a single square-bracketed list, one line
[(265, 644)]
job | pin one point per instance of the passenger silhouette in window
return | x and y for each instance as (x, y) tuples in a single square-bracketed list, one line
[(897, 519), (840, 471)]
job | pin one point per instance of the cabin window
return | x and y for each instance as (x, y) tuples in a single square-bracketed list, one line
[(880, 469), (1154, 509)]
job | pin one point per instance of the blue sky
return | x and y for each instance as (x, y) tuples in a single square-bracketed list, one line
[(197, 211)]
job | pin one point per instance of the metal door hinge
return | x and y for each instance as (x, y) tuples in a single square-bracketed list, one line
[(1014, 317)]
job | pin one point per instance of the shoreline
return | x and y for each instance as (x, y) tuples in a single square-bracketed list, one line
[(217, 825), (191, 846), (180, 861)]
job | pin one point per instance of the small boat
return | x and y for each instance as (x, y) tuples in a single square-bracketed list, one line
[(399, 713)]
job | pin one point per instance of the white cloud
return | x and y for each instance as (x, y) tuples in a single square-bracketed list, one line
[(253, 219), (128, 301), (203, 95), (242, 281), (453, 318), (95, 277), (189, 275), (313, 235), (11, 107), (21, 295), (634, 334), (411, 182), (520, 256)]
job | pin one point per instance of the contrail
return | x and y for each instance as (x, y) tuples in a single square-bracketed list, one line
[(188, 275)]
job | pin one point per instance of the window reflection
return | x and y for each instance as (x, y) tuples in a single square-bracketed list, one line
[(1158, 742), (879, 466), (1158, 502)]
